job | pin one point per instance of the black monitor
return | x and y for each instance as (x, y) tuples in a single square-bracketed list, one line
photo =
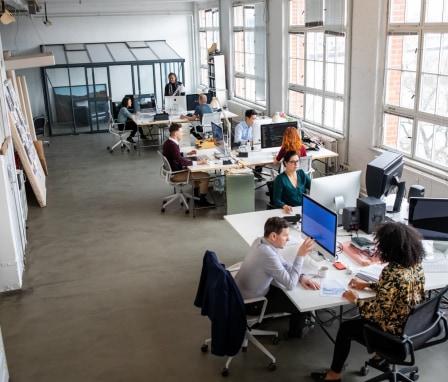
[(218, 138), (383, 176), (430, 217), (144, 102), (193, 100), (272, 133), (321, 224)]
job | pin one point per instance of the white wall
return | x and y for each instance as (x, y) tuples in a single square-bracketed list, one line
[(27, 34)]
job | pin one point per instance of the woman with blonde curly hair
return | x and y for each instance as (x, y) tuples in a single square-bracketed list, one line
[(291, 142)]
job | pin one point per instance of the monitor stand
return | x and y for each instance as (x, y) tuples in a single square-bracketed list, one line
[(339, 208)]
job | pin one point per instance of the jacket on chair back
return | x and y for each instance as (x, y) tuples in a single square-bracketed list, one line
[(221, 301)]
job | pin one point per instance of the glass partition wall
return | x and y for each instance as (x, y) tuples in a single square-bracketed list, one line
[(88, 81)]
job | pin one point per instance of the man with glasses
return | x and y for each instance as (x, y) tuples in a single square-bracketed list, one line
[(291, 184)]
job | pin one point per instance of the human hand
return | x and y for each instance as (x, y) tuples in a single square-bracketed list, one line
[(192, 152), (309, 284), (306, 247), (202, 161), (350, 295), (287, 209), (358, 284)]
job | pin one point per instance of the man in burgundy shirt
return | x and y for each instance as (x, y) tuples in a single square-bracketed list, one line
[(172, 152)]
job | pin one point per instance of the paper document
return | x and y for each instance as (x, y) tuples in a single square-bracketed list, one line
[(332, 287), (371, 272)]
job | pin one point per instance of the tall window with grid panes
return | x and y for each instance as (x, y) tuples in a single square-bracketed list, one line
[(249, 52), (208, 35), (415, 115), (317, 89)]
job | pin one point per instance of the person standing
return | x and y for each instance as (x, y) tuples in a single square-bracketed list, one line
[(171, 151), (172, 86), (264, 266)]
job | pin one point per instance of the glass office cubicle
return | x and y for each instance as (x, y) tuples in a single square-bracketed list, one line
[(89, 81)]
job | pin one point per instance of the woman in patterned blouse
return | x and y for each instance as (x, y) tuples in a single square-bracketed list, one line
[(400, 288)]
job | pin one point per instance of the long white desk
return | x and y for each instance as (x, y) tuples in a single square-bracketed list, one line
[(250, 226)]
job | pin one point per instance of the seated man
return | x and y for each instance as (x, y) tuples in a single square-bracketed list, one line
[(264, 265), (199, 111), (243, 131), (172, 152)]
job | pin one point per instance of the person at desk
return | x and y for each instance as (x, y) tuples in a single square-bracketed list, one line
[(172, 87), (202, 108), (291, 142), (291, 184), (243, 131), (126, 117), (264, 265), (171, 151), (401, 286)]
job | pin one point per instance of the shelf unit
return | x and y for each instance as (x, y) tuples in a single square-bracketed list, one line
[(217, 77)]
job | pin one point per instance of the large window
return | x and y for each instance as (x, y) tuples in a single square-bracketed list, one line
[(249, 52), (415, 118), (317, 62), (208, 35)]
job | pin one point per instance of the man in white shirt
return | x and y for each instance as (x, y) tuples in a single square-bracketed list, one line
[(264, 265)]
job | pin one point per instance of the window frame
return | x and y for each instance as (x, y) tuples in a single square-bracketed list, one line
[(209, 30)]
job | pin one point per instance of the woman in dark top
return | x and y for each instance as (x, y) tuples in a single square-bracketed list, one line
[(172, 85), (291, 184)]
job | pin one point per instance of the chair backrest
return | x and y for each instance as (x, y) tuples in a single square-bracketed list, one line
[(425, 326), (208, 118), (305, 164), (39, 124), (165, 170), (270, 186)]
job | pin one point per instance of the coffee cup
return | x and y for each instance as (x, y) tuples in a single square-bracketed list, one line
[(323, 272)]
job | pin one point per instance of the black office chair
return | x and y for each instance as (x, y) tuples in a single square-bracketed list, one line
[(270, 192), (40, 124), (425, 326)]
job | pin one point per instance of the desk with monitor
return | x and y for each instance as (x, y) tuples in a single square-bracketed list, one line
[(250, 226)]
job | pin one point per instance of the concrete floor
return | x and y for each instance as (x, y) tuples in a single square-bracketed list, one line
[(110, 281)]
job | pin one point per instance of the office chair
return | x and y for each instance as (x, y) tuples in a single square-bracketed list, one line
[(270, 204), (166, 173), (117, 129), (306, 165), (205, 127), (219, 298), (425, 326), (40, 123)]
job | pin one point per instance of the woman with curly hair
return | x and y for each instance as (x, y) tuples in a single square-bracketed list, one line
[(291, 142), (401, 286)]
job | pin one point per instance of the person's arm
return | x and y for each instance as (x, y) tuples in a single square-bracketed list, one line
[(279, 189), (303, 151), (238, 133), (280, 155)]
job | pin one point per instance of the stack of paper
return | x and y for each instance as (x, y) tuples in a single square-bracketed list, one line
[(371, 272)]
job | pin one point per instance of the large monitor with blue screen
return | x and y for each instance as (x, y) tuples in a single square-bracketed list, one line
[(321, 224), (272, 133), (337, 191), (430, 217)]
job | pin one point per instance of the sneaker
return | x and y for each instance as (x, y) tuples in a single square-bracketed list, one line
[(321, 377), (305, 331), (206, 203), (143, 136), (130, 140)]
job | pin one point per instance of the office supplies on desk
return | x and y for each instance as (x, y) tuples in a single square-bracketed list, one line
[(361, 257), (362, 243), (293, 219), (370, 273)]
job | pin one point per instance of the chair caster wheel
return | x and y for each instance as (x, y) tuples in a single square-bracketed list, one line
[(276, 340), (364, 371), (414, 376), (187, 212), (225, 372), (111, 151), (244, 349), (204, 348), (128, 150), (162, 209), (272, 366)]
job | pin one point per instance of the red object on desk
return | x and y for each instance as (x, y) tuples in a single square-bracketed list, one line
[(361, 257)]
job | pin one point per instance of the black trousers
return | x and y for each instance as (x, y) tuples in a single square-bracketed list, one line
[(131, 125), (349, 331), (279, 302)]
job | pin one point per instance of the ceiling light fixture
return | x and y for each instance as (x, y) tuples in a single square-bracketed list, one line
[(6, 17), (46, 21)]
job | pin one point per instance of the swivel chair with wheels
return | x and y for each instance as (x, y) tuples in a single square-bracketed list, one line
[(425, 326), (219, 298), (117, 130), (166, 173)]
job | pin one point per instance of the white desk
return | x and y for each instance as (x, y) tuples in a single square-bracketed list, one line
[(250, 226)]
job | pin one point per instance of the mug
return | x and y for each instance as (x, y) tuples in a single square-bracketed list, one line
[(323, 272)]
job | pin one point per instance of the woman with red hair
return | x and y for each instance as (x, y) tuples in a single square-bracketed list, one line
[(291, 142)]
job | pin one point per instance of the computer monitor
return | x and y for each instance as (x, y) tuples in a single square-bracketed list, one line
[(144, 103), (337, 191), (321, 224), (272, 133), (429, 216), (218, 138), (175, 104), (193, 100)]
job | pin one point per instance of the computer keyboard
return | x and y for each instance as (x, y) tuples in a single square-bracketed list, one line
[(435, 266)]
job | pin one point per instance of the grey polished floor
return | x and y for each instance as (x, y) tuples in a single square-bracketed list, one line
[(110, 281)]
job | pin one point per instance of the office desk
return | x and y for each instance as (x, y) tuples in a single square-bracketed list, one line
[(250, 226)]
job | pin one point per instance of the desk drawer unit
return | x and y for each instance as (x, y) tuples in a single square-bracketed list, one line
[(240, 194)]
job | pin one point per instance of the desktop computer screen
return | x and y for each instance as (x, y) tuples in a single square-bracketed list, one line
[(218, 137), (193, 100), (175, 105), (337, 191), (272, 133), (321, 224), (429, 216)]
